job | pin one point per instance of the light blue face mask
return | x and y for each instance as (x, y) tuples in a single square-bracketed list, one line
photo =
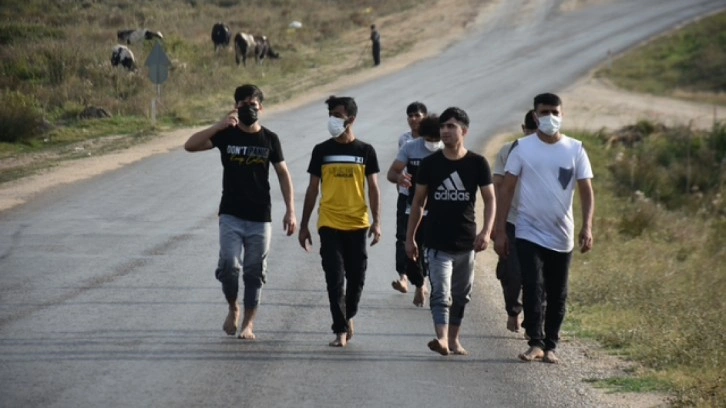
[(549, 124), (336, 126)]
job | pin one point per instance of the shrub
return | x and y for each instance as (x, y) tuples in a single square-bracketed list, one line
[(20, 117)]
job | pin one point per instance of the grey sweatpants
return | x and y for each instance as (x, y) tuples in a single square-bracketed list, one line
[(249, 240), (452, 280)]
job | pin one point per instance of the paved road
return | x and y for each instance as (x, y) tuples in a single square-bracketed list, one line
[(107, 296)]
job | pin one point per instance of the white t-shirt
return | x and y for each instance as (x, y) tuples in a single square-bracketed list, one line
[(499, 163), (402, 140), (547, 175)]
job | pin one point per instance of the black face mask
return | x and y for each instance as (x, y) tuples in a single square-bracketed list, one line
[(247, 115)]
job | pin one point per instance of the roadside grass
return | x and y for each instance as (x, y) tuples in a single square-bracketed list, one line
[(652, 290), (689, 63), (55, 61)]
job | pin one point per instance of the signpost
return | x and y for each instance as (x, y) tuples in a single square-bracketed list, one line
[(158, 63)]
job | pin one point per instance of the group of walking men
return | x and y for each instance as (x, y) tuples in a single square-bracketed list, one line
[(436, 234)]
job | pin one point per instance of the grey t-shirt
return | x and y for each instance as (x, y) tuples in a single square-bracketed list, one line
[(499, 164)]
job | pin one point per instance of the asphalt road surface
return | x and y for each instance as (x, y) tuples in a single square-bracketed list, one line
[(107, 294)]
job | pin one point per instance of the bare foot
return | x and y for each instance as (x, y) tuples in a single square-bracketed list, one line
[(420, 297), (435, 345), (247, 334), (533, 353), (339, 341), (457, 349), (513, 324), (231, 323), (400, 285), (550, 357), (351, 330), (248, 324)]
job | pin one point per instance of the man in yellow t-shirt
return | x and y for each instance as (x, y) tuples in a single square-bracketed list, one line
[(340, 168)]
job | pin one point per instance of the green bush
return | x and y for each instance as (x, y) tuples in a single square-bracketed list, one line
[(20, 117), (672, 166)]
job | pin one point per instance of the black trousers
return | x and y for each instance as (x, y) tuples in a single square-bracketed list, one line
[(376, 53), (417, 270), (510, 276), (345, 260), (401, 224), (544, 276)]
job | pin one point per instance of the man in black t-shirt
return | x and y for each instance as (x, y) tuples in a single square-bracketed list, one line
[(247, 149), (447, 183)]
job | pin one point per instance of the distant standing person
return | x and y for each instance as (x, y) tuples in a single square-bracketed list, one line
[(339, 170), (376, 45), (547, 165), (508, 271), (415, 112), (403, 172), (247, 148), (447, 181)]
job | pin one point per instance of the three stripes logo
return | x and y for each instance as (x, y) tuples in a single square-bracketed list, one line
[(451, 189)]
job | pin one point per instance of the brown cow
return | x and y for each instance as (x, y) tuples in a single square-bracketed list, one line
[(247, 45)]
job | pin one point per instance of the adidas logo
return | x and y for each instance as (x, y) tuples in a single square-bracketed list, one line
[(452, 189)]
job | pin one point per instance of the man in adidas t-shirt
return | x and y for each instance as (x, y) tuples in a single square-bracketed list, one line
[(447, 183), (547, 165)]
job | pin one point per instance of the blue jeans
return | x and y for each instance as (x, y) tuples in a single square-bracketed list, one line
[(452, 281), (236, 235)]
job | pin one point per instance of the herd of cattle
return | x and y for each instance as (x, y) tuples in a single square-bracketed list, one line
[(245, 45)]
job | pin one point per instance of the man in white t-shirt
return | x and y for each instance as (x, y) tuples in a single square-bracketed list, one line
[(508, 271), (547, 165)]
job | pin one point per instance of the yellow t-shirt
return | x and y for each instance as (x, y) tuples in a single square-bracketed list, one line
[(343, 169)]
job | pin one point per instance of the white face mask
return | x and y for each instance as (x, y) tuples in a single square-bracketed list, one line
[(336, 126), (433, 146), (549, 124)]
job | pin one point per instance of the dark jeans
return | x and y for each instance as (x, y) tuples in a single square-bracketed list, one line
[(401, 223), (417, 270), (376, 53), (510, 276), (544, 276), (345, 259)]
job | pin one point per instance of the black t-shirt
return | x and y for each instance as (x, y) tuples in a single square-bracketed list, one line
[(452, 189), (246, 159)]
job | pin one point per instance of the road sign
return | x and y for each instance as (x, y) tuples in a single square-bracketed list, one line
[(158, 63)]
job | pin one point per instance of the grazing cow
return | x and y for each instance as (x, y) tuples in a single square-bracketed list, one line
[(220, 36), (247, 45), (123, 56), (133, 36)]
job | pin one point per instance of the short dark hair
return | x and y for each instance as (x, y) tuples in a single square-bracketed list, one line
[(429, 127), (248, 91), (457, 114), (414, 107), (529, 122), (351, 108), (547, 99)]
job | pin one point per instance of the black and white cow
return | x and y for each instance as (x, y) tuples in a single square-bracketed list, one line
[(133, 36), (123, 56), (220, 36), (247, 45)]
